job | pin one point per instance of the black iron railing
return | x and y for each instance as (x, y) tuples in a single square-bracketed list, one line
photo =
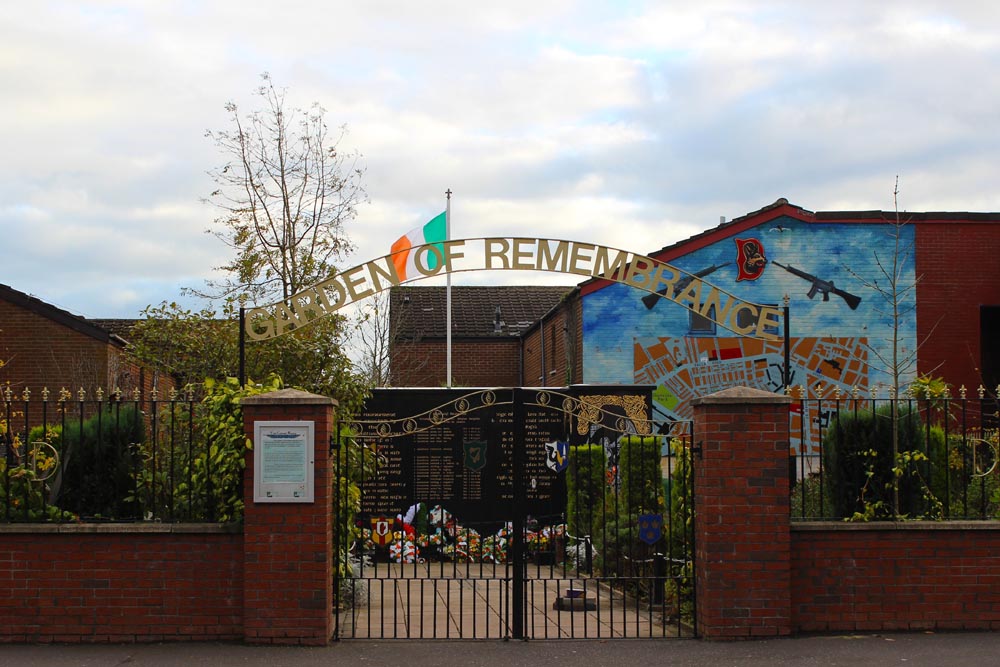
[(117, 456), (862, 457)]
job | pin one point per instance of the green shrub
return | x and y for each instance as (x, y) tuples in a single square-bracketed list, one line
[(860, 469), (807, 496), (585, 484), (23, 491), (199, 479), (618, 546), (679, 521), (97, 461), (641, 475), (974, 490)]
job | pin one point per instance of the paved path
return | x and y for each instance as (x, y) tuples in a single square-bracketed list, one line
[(440, 601), (911, 650)]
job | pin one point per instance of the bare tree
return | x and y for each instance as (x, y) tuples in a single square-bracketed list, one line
[(373, 340), (387, 347), (897, 292), (285, 194)]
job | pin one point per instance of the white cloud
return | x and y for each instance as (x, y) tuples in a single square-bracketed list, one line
[(630, 125)]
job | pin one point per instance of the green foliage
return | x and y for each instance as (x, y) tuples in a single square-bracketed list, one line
[(585, 482), (354, 462), (618, 545), (973, 478), (421, 520), (195, 345), (939, 475), (97, 460), (190, 345), (862, 471), (24, 487), (202, 479), (641, 475), (809, 500), (985, 494), (680, 519), (23, 496), (680, 591), (928, 387), (611, 515), (679, 529)]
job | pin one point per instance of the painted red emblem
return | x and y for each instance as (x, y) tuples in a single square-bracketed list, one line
[(750, 259)]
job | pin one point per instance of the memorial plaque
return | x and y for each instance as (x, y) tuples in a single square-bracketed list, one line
[(465, 462), (284, 461)]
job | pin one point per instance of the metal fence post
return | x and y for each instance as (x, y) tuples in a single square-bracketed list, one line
[(517, 538)]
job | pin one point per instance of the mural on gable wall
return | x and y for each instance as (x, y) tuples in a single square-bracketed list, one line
[(628, 338), (684, 368)]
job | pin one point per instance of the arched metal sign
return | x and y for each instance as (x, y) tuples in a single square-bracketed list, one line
[(587, 260)]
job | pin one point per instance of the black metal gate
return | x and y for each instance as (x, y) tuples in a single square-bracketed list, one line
[(514, 513)]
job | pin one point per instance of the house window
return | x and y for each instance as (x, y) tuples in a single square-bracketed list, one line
[(699, 325)]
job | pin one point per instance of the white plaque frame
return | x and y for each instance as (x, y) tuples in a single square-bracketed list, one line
[(284, 457)]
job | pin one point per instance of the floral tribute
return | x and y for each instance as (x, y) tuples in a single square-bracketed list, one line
[(436, 534)]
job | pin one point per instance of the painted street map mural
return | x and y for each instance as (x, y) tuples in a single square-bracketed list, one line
[(684, 368)]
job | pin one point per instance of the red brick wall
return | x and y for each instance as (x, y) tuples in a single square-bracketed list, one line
[(531, 371), (122, 587), (911, 577), (576, 326), (39, 352), (741, 505), (959, 268), (552, 370), (474, 363), (288, 547), (758, 574)]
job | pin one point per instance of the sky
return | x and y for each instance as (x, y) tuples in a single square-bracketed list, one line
[(629, 124)]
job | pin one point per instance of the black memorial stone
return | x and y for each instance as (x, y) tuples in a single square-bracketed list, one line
[(463, 459)]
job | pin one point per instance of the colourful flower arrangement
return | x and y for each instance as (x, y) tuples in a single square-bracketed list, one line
[(449, 540), (404, 551), (541, 540)]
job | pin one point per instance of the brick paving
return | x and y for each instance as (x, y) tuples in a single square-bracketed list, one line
[(444, 601)]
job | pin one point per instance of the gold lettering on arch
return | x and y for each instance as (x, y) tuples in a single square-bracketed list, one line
[(588, 260)]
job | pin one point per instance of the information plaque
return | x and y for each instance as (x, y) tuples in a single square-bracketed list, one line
[(284, 461)]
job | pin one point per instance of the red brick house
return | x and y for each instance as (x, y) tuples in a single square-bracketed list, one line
[(45, 347), (489, 328)]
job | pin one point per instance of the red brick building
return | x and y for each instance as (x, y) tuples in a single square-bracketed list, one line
[(45, 347), (496, 339)]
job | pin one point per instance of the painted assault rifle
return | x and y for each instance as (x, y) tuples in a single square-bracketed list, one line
[(651, 300), (824, 287)]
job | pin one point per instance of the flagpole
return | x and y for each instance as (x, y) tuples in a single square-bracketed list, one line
[(447, 237)]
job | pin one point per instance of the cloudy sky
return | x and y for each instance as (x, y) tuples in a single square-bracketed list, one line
[(629, 124)]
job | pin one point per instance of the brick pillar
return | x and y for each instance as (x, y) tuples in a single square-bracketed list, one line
[(288, 547), (742, 539)]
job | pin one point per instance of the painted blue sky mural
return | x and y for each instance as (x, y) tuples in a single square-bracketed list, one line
[(843, 253)]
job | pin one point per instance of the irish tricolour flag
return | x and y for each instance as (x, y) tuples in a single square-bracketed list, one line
[(403, 255)]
